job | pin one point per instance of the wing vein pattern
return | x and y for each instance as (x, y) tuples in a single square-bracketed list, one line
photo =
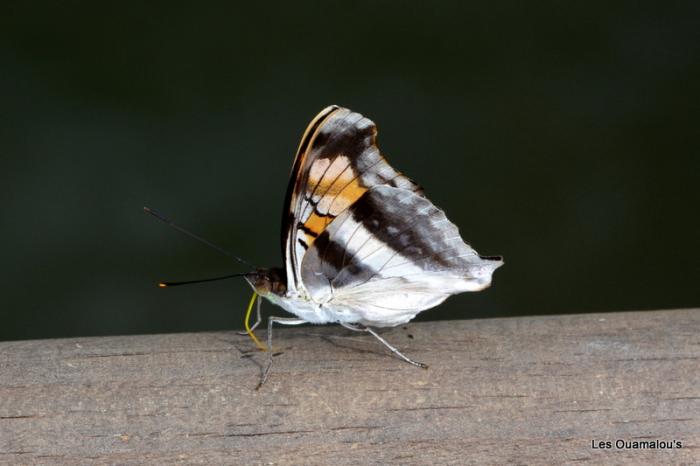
[(361, 238)]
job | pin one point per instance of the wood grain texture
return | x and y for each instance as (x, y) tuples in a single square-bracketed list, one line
[(519, 390)]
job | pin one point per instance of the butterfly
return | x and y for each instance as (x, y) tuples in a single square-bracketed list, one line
[(362, 245)]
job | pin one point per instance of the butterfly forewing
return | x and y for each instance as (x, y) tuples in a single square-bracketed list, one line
[(337, 163)]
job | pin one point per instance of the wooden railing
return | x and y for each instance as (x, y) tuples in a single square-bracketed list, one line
[(544, 390)]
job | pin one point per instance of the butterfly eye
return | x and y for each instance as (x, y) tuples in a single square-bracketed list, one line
[(263, 285)]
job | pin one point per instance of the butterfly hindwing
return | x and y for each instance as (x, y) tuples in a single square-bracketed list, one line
[(337, 163), (391, 253)]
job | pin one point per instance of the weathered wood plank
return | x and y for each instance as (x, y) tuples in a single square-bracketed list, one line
[(523, 390)]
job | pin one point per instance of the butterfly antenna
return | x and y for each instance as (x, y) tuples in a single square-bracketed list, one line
[(190, 282), (169, 222)]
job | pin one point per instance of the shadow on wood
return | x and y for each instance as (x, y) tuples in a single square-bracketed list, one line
[(527, 390)]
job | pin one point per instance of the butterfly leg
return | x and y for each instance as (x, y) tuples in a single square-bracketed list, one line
[(257, 321), (358, 328), (272, 320)]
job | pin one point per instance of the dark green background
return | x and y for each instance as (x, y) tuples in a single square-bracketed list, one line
[(562, 135)]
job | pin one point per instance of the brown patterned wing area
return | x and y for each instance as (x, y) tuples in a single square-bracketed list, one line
[(337, 163), (389, 256)]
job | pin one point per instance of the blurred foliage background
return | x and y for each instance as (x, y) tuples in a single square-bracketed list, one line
[(563, 136)]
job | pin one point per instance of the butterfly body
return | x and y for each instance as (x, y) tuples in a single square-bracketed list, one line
[(270, 284), (361, 242)]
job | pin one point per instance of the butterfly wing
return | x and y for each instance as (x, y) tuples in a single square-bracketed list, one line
[(336, 164), (390, 255)]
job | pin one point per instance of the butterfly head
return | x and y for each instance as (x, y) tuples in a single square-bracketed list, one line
[(268, 282)]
